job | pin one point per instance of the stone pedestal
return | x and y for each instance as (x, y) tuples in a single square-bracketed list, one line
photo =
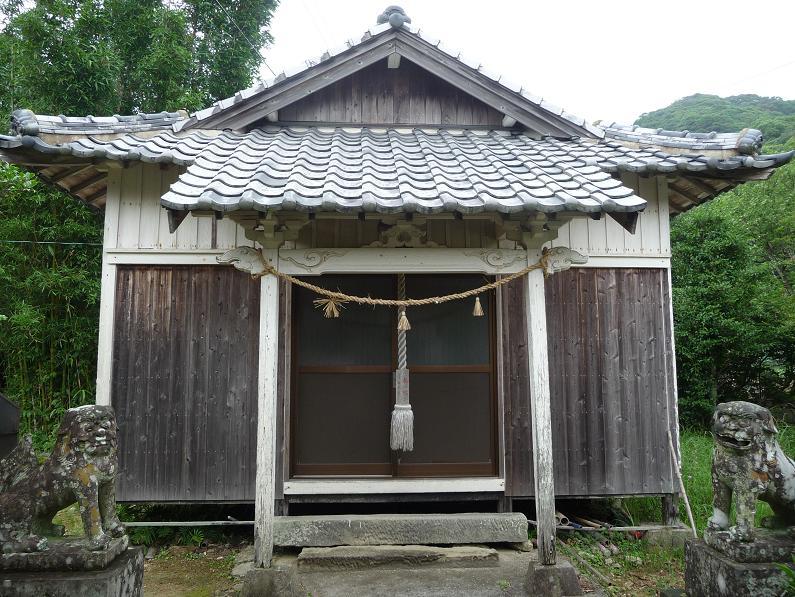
[(710, 573), (123, 577), (557, 580)]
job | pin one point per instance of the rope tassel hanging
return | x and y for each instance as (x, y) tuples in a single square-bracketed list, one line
[(478, 310), (403, 322), (331, 307), (402, 428)]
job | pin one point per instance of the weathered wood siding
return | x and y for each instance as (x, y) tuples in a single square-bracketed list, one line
[(136, 220), (611, 382), (606, 238), (380, 95), (185, 382)]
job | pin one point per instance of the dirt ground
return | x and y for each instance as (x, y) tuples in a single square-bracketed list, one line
[(624, 566), (191, 572), (635, 570)]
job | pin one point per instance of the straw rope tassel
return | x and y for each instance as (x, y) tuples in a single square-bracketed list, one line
[(478, 310), (402, 429)]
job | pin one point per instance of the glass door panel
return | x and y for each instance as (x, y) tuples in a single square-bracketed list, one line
[(342, 381), (450, 360)]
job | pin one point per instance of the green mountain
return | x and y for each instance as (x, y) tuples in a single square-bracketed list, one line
[(774, 116), (733, 268)]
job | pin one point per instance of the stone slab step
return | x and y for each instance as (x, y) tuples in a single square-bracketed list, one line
[(399, 529), (394, 557)]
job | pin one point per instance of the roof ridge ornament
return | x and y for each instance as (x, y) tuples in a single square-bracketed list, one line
[(395, 16)]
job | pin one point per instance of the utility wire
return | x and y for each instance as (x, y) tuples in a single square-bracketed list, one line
[(49, 242), (251, 43)]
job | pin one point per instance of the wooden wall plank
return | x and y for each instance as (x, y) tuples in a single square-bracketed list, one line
[(184, 384), (379, 95), (610, 382), (130, 206)]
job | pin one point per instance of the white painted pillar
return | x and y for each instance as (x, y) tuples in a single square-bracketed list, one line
[(266, 415), (107, 296), (107, 308), (540, 412)]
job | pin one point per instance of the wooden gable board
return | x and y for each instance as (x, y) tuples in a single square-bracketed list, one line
[(245, 113)]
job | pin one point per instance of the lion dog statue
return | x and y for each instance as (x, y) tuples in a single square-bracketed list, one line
[(81, 468), (749, 464)]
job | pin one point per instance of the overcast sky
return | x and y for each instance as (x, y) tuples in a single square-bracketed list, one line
[(609, 60)]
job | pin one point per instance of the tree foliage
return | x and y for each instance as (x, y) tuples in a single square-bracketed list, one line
[(49, 296), (123, 56), (773, 116), (734, 315), (95, 57), (734, 268)]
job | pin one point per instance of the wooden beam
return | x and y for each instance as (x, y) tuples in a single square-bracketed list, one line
[(175, 218), (491, 93), (107, 295), (628, 220), (91, 180), (267, 396), (540, 412), (508, 122), (65, 173), (322, 75)]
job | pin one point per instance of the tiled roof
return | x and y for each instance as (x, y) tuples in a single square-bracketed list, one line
[(384, 28), (395, 170), (25, 122), (403, 169), (746, 142), (392, 169)]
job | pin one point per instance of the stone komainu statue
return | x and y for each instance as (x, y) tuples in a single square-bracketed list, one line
[(80, 469), (749, 464)]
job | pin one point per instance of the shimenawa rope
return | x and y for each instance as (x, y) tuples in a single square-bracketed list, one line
[(335, 301)]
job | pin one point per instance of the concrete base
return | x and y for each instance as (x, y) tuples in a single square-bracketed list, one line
[(276, 581), (399, 529), (395, 557), (556, 580), (709, 573), (124, 577), (767, 546), (668, 537), (64, 555)]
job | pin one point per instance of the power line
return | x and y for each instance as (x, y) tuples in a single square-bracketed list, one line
[(49, 242), (767, 72), (251, 43)]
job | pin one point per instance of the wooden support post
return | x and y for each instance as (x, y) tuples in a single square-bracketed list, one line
[(540, 413), (670, 510), (266, 416), (107, 300)]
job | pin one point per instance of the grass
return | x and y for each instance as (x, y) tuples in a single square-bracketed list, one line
[(697, 476), (632, 568)]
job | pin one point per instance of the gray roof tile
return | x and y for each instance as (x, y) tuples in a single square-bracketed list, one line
[(390, 170)]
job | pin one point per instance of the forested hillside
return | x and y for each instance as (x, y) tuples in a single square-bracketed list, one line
[(773, 116), (82, 57), (734, 268)]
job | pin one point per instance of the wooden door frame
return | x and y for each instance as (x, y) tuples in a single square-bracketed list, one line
[(420, 470)]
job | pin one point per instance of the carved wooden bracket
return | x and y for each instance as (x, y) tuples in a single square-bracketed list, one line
[(246, 259), (560, 259), (404, 234)]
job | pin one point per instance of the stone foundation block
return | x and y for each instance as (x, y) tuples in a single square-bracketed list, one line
[(399, 529), (124, 577), (669, 537), (557, 580), (393, 557), (271, 582), (709, 573)]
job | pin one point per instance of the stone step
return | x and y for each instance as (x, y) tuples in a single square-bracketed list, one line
[(399, 529), (395, 557)]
